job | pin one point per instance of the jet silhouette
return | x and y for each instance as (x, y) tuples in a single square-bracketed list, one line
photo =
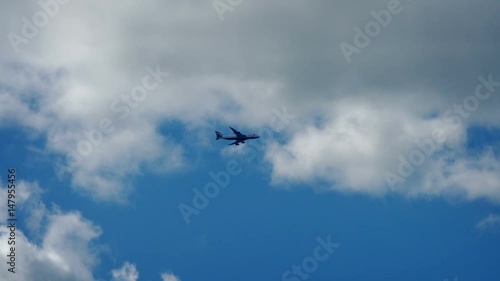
[(238, 137)]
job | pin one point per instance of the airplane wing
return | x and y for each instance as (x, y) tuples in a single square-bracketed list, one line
[(235, 143), (238, 134)]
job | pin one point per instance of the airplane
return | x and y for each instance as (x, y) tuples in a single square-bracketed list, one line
[(238, 138)]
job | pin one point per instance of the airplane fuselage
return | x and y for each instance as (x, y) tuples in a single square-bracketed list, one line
[(240, 139), (237, 138)]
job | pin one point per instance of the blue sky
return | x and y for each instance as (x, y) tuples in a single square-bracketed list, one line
[(252, 230), (378, 158)]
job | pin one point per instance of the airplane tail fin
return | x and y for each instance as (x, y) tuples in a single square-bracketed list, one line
[(218, 135)]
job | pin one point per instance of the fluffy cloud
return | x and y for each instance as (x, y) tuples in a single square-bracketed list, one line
[(359, 144), (66, 250), (127, 272), (355, 144), (62, 245), (353, 119)]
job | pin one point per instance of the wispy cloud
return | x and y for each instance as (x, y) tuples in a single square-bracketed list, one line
[(168, 276), (491, 223)]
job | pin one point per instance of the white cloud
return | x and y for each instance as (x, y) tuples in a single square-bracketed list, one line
[(65, 79), (489, 223), (355, 144), (127, 272), (63, 245), (65, 253), (168, 276), (65, 249), (463, 177), (121, 154), (29, 199)]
